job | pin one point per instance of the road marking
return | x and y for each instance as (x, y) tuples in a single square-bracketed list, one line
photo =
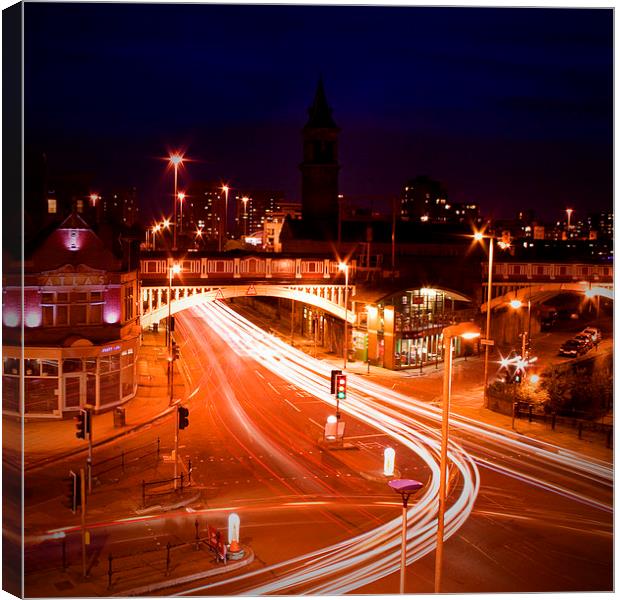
[(273, 388), (259, 374), (361, 437), (317, 424), (291, 404)]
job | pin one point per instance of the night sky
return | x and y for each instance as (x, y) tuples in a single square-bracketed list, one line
[(511, 108)]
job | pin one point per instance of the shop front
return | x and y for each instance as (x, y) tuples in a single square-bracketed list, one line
[(52, 382)]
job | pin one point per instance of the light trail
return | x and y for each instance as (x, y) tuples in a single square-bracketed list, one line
[(349, 564), (352, 563)]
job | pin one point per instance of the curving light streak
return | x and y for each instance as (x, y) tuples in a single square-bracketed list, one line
[(350, 564)]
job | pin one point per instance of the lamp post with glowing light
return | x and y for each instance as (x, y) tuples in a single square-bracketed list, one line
[(478, 236), (517, 304), (224, 222), (245, 200), (181, 196), (569, 212), (176, 160), (173, 270), (466, 331), (405, 487), (345, 267)]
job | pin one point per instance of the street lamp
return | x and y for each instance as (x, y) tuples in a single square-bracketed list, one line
[(245, 200), (181, 196), (173, 270), (224, 222), (478, 236), (156, 228), (467, 331), (569, 212), (345, 267), (175, 159), (405, 487), (516, 304)]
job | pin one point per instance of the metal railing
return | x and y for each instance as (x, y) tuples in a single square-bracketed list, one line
[(169, 485)]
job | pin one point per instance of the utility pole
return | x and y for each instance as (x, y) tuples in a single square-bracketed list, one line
[(83, 519)]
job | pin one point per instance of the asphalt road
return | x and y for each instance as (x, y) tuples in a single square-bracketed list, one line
[(524, 517)]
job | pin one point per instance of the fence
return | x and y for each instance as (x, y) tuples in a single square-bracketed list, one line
[(528, 410), (169, 485), (125, 458), (160, 560)]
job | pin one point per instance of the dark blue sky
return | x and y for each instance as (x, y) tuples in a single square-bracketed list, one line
[(508, 107)]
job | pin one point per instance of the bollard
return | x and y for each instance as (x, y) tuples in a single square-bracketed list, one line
[(189, 472), (167, 558), (514, 413), (197, 537), (529, 413), (580, 430), (109, 571), (181, 478), (123, 461), (553, 414), (143, 493)]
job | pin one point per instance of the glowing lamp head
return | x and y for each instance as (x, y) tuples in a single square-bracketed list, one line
[(535, 378), (516, 303), (176, 268), (176, 159), (245, 199), (181, 196), (478, 236), (470, 335), (590, 293), (342, 266), (166, 223), (225, 189), (94, 198), (332, 419)]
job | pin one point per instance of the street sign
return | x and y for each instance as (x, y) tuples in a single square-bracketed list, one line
[(251, 291), (487, 342)]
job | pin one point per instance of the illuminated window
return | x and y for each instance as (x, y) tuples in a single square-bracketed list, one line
[(51, 206)]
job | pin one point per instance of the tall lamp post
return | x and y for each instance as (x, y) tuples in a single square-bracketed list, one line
[(245, 201), (224, 222), (181, 196), (345, 267), (466, 331), (526, 333), (405, 487), (478, 236), (173, 270), (175, 159)]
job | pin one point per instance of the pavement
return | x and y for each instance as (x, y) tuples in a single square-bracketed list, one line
[(47, 442)]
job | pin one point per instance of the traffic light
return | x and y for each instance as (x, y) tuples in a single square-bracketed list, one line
[(335, 373), (516, 377), (175, 352), (341, 387), (74, 491), (183, 417), (171, 323), (81, 424)]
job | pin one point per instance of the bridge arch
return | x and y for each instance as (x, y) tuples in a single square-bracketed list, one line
[(543, 291), (328, 298)]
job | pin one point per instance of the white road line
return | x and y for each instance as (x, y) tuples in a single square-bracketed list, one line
[(370, 435), (317, 424), (273, 388), (291, 404), (259, 374)]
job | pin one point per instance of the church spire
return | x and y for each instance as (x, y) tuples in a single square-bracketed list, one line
[(320, 113)]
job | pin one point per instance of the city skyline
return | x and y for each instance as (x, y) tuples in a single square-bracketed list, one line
[(528, 126)]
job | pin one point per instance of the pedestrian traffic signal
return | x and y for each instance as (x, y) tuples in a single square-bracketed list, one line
[(335, 373), (183, 417), (82, 424), (175, 352), (341, 387)]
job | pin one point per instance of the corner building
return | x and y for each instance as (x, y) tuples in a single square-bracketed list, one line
[(70, 326)]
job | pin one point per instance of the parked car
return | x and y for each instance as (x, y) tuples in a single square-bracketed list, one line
[(572, 348), (594, 333), (585, 339)]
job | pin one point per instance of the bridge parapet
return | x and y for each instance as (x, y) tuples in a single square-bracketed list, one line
[(540, 272)]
